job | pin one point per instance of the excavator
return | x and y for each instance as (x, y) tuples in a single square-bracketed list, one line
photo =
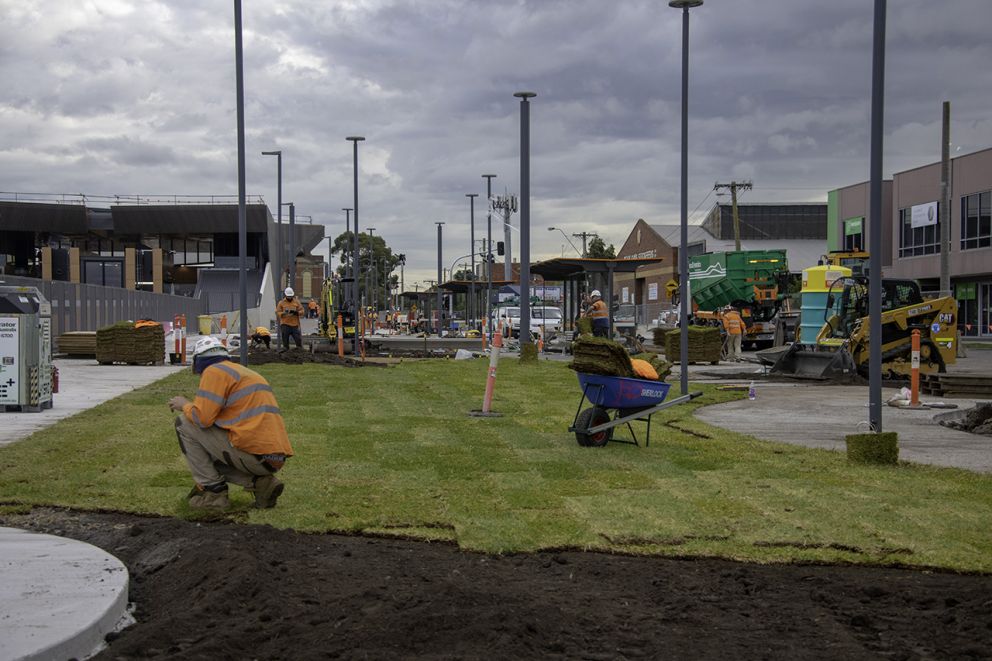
[(329, 314), (840, 348)]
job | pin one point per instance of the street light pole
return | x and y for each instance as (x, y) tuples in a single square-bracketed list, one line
[(242, 212), (278, 255), (349, 265), (684, 304), (355, 139), (524, 217), (439, 267), (370, 277), (470, 307), (552, 229), (875, 229), (489, 253)]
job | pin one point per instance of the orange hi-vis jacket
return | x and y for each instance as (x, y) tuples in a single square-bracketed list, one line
[(599, 312), (732, 323), (239, 400), (287, 318)]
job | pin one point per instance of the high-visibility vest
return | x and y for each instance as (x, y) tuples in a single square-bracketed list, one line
[(732, 323), (599, 311), (240, 400)]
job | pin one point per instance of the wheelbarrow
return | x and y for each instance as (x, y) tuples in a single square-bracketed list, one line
[(618, 401)]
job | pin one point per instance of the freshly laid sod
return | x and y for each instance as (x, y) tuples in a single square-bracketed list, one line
[(393, 451)]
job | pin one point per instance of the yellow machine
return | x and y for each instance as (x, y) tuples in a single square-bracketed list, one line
[(329, 315), (841, 347), (856, 260)]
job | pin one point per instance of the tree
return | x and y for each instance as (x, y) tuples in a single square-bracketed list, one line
[(376, 260), (598, 250)]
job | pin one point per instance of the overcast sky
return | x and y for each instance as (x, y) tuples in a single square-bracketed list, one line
[(109, 97)]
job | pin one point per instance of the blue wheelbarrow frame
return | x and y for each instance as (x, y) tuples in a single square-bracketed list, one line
[(628, 399)]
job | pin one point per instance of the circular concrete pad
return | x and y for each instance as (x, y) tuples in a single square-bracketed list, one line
[(58, 597)]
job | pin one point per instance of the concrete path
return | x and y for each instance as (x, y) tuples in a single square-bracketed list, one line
[(820, 416), (82, 385), (59, 597)]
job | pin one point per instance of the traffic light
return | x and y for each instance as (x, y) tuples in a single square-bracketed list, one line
[(500, 248)]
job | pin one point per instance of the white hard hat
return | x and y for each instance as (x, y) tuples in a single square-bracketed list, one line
[(289, 292), (208, 346), (595, 292)]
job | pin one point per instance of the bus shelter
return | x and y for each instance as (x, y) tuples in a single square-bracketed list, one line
[(577, 274), (464, 287)]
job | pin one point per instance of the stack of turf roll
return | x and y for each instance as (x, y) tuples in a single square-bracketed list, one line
[(133, 344), (598, 355), (705, 344)]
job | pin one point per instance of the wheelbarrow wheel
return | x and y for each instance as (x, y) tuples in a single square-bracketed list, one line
[(592, 417)]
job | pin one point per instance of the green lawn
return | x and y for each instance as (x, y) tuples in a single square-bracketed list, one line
[(392, 451)]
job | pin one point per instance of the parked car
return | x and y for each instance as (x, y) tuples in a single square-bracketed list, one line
[(550, 317)]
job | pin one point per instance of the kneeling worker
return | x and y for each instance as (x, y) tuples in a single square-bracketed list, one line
[(231, 432)]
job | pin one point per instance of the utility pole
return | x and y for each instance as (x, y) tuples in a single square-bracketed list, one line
[(506, 204), (439, 278), (584, 236), (734, 186), (489, 253)]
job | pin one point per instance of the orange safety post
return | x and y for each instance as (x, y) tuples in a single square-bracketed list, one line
[(177, 334), (487, 400), (223, 329), (914, 379), (340, 337)]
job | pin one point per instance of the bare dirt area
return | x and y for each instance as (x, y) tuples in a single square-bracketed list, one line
[(223, 590), (301, 356)]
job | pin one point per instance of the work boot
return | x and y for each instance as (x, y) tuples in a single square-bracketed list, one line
[(267, 489), (209, 499)]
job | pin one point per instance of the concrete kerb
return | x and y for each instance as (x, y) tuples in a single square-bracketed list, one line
[(61, 597)]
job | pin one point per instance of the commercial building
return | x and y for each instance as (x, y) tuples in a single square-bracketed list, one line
[(800, 229), (911, 231)]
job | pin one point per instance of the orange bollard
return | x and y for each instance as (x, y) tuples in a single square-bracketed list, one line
[(487, 400), (914, 379), (340, 337), (223, 329)]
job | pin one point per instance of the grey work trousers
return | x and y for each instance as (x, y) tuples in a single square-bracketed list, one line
[(211, 457)]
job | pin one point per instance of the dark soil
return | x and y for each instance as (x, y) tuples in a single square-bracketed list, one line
[(977, 421), (228, 591)]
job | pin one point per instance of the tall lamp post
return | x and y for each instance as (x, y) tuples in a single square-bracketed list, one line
[(349, 268), (875, 228), (524, 217), (489, 253), (552, 229), (470, 307), (684, 5), (370, 277), (439, 267), (292, 245), (279, 248), (242, 213), (355, 139)]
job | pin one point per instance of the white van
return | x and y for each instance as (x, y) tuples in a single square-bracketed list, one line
[(547, 316)]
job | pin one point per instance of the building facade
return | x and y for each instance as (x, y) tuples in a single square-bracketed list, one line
[(911, 231)]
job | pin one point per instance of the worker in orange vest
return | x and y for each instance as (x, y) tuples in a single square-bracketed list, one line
[(599, 314), (734, 326), (289, 311)]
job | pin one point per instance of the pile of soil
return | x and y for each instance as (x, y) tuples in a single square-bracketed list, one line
[(300, 356), (977, 421), (224, 590)]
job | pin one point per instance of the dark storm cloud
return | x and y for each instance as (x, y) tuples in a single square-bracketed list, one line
[(95, 94)]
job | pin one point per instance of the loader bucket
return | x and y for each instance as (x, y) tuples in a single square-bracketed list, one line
[(808, 363)]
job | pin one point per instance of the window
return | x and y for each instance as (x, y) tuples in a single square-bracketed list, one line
[(854, 234), (976, 221), (915, 241)]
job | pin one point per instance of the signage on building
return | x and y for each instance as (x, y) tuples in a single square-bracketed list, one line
[(653, 291), (625, 295), (9, 350), (647, 254), (923, 215)]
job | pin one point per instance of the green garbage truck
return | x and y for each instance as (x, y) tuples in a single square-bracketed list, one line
[(753, 281)]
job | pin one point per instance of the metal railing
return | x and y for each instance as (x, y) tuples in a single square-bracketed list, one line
[(83, 307), (97, 200)]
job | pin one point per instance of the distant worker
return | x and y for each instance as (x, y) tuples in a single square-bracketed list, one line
[(289, 310), (312, 307), (232, 431), (599, 314), (261, 336), (734, 325)]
